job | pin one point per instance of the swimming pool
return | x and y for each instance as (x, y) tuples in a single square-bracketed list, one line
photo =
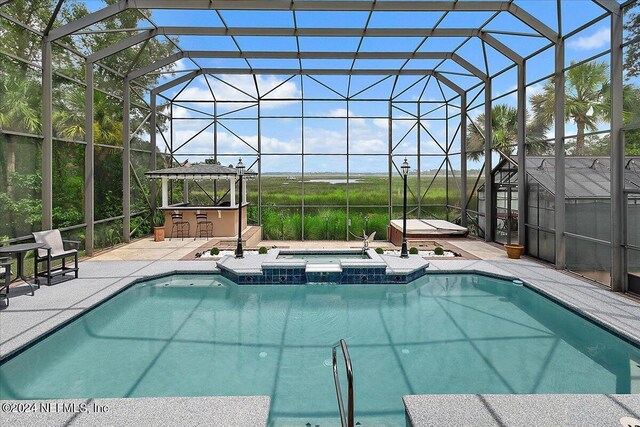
[(203, 335), (323, 257)]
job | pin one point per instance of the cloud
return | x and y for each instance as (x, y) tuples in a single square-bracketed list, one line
[(598, 39), (366, 136), (183, 65)]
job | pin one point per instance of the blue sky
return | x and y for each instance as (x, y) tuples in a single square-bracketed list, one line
[(325, 127)]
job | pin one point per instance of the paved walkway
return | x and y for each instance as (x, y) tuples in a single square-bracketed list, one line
[(147, 249), (177, 249), (479, 249)]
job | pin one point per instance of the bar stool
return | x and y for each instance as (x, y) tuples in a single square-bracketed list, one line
[(179, 225), (203, 224)]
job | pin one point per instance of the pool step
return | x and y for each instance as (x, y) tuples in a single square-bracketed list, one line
[(323, 268)]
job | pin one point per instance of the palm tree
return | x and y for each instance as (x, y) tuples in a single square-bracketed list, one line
[(18, 112), (586, 102), (504, 128)]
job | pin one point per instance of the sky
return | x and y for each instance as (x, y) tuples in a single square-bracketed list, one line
[(325, 125)]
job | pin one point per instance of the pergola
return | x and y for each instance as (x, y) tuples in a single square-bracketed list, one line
[(459, 80)]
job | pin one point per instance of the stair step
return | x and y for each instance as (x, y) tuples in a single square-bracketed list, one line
[(323, 268)]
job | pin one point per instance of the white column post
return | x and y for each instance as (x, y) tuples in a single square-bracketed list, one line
[(185, 191), (244, 191), (232, 189), (165, 193)]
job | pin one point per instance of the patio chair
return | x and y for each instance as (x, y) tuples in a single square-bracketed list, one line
[(53, 251), (5, 274), (179, 225), (203, 224)]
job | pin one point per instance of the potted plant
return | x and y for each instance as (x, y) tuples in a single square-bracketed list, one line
[(514, 251), (158, 226)]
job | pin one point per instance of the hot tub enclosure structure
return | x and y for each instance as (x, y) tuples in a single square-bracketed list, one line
[(405, 67)]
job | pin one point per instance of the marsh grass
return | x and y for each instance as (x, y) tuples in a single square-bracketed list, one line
[(368, 197)]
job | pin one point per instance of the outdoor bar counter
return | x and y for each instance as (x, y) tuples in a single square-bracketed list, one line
[(224, 217)]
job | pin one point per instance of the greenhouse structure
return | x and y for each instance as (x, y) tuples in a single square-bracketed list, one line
[(587, 205)]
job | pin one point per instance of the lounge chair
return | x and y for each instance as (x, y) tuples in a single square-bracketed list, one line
[(5, 274), (55, 250)]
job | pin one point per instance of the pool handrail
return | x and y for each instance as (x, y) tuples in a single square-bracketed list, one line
[(346, 421)]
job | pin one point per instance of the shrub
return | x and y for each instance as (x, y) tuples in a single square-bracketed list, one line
[(158, 218), (379, 251), (262, 250), (214, 251), (438, 251), (413, 250)]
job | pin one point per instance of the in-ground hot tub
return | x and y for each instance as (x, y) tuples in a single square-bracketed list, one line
[(298, 267), (330, 257)]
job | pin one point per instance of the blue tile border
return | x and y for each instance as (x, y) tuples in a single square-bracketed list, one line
[(298, 276), (268, 269)]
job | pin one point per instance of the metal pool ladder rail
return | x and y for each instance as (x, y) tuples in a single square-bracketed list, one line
[(347, 421)]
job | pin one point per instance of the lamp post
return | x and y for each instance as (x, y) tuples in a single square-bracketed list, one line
[(405, 172), (240, 173)]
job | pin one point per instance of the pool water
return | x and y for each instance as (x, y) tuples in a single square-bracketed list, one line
[(324, 258), (195, 336)]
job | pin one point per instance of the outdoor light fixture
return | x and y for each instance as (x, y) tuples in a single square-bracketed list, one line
[(240, 172), (404, 253)]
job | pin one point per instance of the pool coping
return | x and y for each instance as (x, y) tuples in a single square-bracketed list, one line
[(265, 269), (617, 313), (218, 411), (520, 409)]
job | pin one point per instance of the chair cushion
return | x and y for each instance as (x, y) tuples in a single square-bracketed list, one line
[(51, 238), (64, 253)]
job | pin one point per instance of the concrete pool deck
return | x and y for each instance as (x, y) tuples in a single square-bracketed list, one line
[(27, 318), (599, 410), (246, 411)]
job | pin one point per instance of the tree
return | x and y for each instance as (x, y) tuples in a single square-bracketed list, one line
[(632, 54), (504, 126), (18, 112), (585, 100), (20, 106)]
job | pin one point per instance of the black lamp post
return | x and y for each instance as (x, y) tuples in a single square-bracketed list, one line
[(240, 173), (405, 172)]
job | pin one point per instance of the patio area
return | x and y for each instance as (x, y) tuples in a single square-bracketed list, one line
[(186, 249)]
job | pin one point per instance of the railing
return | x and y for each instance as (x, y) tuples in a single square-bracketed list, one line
[(346, 420)]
